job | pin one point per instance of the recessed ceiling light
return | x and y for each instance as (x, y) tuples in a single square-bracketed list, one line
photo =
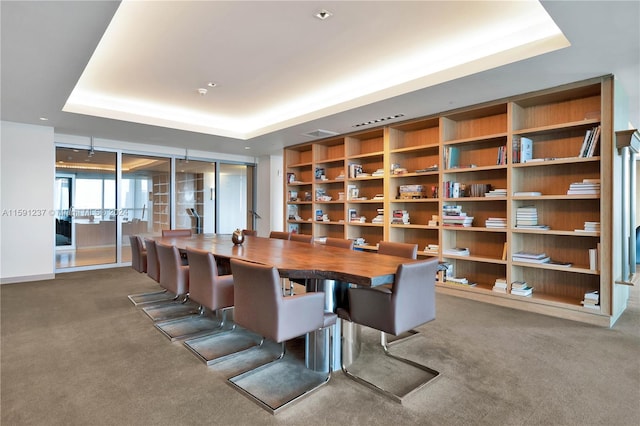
[(323, 14), (247, 147), (211, 84), (44, 119)]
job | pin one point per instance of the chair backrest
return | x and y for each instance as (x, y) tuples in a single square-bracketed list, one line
[(302, 238), (339, 242), (138, 254), (174, 276), (260, 307), (414, 294), (205, 286), (250, 232), (279, 235), (410, 251), (176, 232), (153, 265)]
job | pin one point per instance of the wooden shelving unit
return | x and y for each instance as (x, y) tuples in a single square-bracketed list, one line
[(474, 147)]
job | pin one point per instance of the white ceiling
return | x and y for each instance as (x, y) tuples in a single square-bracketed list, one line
[(263, 55)]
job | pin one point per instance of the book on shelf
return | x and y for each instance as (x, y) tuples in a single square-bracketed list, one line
[(528, 257), (591, 300), (527, 194), (526, 291), (496, 222), (319, 214), (451, 157), (590, 142), (457, 251), (500, 192), (587, 186), (291, 177), (526, 149), (594, 260), (400, 217), (559, 263), (502, 155), (432, 249), (355, 170), (319, 174), (293, 228)]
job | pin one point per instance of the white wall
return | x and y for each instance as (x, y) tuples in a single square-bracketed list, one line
[(27, 170)]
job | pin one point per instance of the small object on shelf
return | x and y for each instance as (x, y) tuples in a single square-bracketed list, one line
[(527, 194), (591, 300), (457, 251), (496, 193), (586, 187), (526, 149), (521, 288), (523, 256)]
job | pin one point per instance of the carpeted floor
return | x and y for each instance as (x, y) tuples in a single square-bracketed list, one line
[(75, 351)]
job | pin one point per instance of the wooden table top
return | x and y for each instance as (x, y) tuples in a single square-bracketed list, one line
[(300, 260)]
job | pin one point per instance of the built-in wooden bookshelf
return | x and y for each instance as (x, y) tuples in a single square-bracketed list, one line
[(421, 166)]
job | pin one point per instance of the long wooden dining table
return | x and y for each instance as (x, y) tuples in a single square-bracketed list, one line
[(295, 259), (330, 269)]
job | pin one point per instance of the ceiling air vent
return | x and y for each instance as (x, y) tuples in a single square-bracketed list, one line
[(319, 133), (378, 120)]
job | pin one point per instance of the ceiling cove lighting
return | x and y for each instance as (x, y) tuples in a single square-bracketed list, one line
[(378, 120), (522, 31)]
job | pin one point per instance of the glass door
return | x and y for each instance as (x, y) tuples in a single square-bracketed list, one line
[(86, 184), (195, 196), (144, 198), (236, 198)]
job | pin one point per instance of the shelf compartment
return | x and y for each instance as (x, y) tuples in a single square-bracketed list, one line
[(475, 123), (561, 286), (570, 249), (371, 234), (299, 156), (420, 236), (301, 227), (416, 159), (334, 210), (328, 151), (561, 214), (364, 144), (497, 178), (559, 142), (330, 188), (300, 175), (429, 186), (368, 188), (331, 171), (414, 134), (304, 210), (553, 179), (323, 229), (484, 274), (419, 214), (480, 210), (477, 153), (557, 107), (486, 245)]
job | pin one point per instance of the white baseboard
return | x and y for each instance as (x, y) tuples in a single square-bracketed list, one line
[(28, 278)]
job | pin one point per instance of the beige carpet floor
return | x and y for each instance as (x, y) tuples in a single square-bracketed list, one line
[(75, 351)]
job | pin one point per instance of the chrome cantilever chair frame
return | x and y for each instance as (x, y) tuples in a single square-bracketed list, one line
[(151, 267), (351, 337), (261, 307), (174, 277), (213, 293)]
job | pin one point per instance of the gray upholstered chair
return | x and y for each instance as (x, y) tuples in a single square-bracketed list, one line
[(138, 254), (140, 258), (409, 302), (212, 292), (261, 308), (410, 251), (153, 266), (279, 235), (174, 277), (302, 238), (176, 232), (339, 242)]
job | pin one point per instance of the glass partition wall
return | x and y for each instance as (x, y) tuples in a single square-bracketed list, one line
[(93, 229)]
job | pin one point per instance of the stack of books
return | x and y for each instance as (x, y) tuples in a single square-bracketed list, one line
[(521, 288), (454, 216), (460, 281), (380, 217), (400, 217), (359, 241), (527, 218), (477, 189), (496, 193), (432, 249), (586, 187), (456, 251), (591, 300), (496, 222), (500, 286), (590, 227), (378, 172), (523, 256), (435, 219)]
